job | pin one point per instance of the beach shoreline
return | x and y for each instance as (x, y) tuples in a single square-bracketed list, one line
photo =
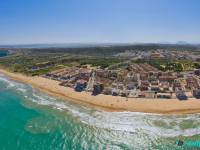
[(108, 102)]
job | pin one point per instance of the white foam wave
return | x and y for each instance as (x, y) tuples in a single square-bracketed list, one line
[(10, 84), (150, 124), (134, 122)]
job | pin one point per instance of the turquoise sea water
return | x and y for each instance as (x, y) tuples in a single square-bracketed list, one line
[(31, 120), (3, 53)]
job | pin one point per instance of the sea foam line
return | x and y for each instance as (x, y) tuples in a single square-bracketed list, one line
[(121, 121)]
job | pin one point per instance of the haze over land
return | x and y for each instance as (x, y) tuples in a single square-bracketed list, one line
[(87, 45)]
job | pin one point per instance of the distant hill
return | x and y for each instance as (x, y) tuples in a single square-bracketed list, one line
[(61, 45), (105, 49)]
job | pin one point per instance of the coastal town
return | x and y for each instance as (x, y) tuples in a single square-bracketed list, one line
[(168, 72), (100, 75), (139, 78), (134, 80)]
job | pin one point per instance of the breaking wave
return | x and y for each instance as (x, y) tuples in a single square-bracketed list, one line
[(153, 125)]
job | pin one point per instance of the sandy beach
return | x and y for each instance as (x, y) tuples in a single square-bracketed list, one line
[(161, 106)]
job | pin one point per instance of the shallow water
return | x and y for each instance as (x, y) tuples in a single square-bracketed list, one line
[(32, 120), (3, 53)]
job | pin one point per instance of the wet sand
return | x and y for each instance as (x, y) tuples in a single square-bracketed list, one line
[(108, 102)]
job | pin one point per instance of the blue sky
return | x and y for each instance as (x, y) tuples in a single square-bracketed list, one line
[(82, 21)]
